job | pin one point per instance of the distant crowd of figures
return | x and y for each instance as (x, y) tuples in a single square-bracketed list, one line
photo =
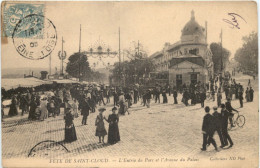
[(75, 99)]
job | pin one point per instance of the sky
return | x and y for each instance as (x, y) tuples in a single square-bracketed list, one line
[(152, 23)]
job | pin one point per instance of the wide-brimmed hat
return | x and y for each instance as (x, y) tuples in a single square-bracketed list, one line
[(102, 109)]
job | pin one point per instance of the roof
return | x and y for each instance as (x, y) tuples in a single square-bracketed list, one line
[(195, 59), (14, 83), (64, 81), (156, 54), (192, 27), (173, 46)]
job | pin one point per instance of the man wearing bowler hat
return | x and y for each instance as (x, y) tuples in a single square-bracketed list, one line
[(208, 129), (85, 107)]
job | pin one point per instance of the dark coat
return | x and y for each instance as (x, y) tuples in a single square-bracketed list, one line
[(85, 107), (224, 118), (202, 96), (175, 94), (113, 130), (208, 124), (229, 107), (148, 95), (218, 119), (70, 131)]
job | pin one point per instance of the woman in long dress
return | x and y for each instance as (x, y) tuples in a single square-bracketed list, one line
[(70, 131), (121, 104), (247, 95), (165, 100), (100, 125), (13, 109), (113, 130), (75, 108), (43, 109), (32, 112)]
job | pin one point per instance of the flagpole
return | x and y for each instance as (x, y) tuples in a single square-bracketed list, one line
[(221, 53), (80, 39), (50, 65), (119, 53), (79, 50), (62, 56)]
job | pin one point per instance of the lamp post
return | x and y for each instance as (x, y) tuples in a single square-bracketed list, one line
[(62, 56)]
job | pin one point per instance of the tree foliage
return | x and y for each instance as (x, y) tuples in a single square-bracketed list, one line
[(247, 55), (133, 70), (78, 66), (216, 56)]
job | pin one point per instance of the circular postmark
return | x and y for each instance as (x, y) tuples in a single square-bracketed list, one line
[(34, 37), (48, 148)]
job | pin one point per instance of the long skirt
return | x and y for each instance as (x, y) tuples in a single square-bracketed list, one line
[(44, 115), (70, 134), (121, 108), (113, 134), (13, 110)]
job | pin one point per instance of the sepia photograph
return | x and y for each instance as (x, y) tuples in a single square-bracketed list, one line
[(129, 84)]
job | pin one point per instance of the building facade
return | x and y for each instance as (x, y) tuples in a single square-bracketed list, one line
[(188, 60)]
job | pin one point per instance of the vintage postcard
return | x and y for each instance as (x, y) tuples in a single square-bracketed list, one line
[(129, 84)]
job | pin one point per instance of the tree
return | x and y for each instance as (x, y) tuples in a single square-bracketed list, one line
[(217, 54), (78, 66), (97, 77), (132, 70), (247, 55)]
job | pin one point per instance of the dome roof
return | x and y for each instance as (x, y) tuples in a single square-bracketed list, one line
[(192, 27)]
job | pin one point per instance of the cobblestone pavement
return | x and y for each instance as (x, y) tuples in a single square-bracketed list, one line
[(164, 130)]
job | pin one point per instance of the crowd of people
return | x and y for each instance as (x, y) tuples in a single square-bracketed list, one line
[(75, 99), (218, 121)]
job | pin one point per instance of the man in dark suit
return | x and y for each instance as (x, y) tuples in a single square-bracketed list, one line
[(208, 129), (157, 95), (218, 118), (85, 107), (175, 94), (202, 98), (224, 118)]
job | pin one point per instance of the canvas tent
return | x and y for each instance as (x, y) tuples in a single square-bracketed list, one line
[(14, 83)]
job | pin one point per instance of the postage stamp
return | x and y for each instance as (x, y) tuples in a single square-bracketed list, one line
[(34, 37), (14, 12)]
